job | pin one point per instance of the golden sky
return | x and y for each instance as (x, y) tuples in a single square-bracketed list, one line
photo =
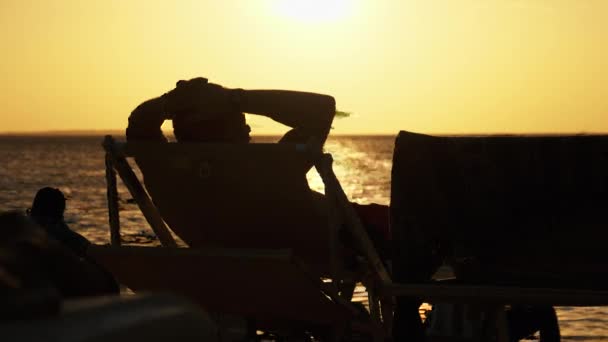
[(437, 66)]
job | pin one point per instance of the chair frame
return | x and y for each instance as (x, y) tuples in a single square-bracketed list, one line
[(382, 291), (380, 302)]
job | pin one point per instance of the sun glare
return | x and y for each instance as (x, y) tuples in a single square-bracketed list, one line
[(314, 10)]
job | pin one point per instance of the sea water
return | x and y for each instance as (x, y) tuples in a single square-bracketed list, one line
[(75, 164)]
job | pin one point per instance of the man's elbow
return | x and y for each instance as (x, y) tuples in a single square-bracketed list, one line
[(137, 128), (145, 123), (327, 108), (326, 112)]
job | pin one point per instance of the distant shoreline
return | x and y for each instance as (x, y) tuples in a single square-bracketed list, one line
[(169, 134), (86, 132), (120, 133)]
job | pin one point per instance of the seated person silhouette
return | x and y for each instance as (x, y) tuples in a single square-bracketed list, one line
[(207, 112), (47, 212), (33, 260)]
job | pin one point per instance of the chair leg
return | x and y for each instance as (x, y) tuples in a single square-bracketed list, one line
[(496, 325), (387, 307), (502, 326), (112, 196), (374, 309)]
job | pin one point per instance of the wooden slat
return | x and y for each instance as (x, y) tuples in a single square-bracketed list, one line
[(112, 196), (323, 166), (139, 194), (500, 295), (334, 225)]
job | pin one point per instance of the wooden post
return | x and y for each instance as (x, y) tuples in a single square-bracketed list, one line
[(334, 225), (387, 310), (353, 221), (497, 326), (502, 325), (139, 194), (374, 312), (112, 196)]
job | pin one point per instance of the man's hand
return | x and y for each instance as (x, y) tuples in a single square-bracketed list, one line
[(199, 100)]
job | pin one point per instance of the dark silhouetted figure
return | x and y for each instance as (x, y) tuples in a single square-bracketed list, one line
[(47, 210), (31, 259), (207, 112)]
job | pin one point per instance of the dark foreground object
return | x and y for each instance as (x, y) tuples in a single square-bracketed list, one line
[(134, 318), (507, 210), (511, 214)]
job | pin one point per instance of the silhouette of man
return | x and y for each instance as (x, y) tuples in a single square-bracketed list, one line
[(47, 210), (207, 112)]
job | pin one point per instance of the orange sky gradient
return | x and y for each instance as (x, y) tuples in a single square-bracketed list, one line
[(431, 66)]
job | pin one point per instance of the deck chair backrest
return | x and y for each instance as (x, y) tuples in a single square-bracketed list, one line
[(242, 196), (536, 199)]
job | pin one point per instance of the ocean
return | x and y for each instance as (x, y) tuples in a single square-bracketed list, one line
[(75, 164)]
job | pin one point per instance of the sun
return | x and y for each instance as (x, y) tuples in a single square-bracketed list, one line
[(314, 10)]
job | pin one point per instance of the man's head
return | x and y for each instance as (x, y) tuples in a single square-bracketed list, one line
[(205, 112), (226, 129), (49, 203)]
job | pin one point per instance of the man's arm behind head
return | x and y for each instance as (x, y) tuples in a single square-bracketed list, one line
[(310, 114)]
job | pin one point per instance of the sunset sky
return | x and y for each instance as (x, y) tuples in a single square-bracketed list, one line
[(434, 66)]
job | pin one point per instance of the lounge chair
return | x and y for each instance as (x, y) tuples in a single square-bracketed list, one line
[(519, 219), (259, 242)]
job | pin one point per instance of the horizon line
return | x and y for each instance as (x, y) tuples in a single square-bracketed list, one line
[(121, 132), (169, 133)]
